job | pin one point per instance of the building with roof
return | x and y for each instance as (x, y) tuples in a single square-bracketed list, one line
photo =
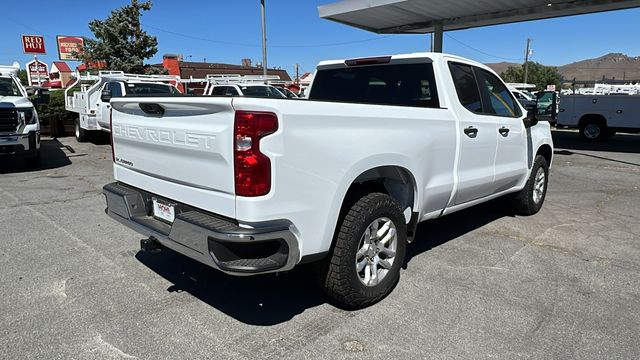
[(175, 65), (60, 75)]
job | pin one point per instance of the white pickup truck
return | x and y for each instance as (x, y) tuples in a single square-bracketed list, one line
[(254, 185), (19, 124)]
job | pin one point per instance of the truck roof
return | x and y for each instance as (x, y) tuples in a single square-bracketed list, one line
[(417, 55)]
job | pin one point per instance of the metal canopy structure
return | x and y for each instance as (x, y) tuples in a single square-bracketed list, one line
[(436, 16)]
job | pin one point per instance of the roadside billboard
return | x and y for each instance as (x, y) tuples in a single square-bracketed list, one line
[(37, 72), (68, 45), (33, 44)]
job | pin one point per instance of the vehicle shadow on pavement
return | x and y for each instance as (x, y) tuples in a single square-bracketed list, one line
[(269, 299), (256, 300), (620, 143), (52, 156), (434, 233)]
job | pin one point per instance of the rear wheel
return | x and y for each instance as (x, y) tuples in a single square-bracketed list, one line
[(370, 245), (81, 134), (593, 129), (530, 199)]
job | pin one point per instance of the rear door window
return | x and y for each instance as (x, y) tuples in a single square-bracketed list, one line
[(395, 84), (466, 87)]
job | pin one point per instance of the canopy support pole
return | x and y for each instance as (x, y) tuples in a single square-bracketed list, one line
[(437, 38)]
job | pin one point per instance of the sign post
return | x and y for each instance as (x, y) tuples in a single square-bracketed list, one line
[(34, 44)]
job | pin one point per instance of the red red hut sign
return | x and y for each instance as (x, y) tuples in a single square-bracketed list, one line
[(33, 44), (68, 45)]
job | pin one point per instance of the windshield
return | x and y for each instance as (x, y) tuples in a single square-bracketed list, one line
[(150, 89), (8, 87)]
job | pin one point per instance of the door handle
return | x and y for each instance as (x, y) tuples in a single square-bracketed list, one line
[(471, 132), (504, 131)]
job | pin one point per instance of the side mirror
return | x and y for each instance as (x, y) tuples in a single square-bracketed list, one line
[(31, 91), (105, 96), (531, 120)]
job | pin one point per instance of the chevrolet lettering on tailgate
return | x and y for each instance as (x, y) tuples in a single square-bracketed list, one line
[(165, 136)]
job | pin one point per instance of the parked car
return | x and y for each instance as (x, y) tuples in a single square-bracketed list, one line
[(255, 185), (19, 124)]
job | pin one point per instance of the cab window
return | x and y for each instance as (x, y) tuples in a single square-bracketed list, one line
[(116, 89), (219, 91)]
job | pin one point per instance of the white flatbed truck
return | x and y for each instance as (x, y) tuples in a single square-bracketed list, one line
[(86, 96)]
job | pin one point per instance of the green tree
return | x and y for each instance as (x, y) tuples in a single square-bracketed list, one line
[(539, 75), (119, 41), (22, 75)]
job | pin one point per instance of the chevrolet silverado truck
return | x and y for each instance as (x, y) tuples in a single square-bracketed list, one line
[(255, 185), (19, 125)]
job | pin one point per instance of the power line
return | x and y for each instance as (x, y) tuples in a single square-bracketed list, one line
[(482, 52), (257, 45)]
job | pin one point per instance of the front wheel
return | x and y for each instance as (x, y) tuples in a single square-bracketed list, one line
[(370, 246), (530, 199)]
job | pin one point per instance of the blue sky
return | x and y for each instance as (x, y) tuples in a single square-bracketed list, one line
[(227, 31)]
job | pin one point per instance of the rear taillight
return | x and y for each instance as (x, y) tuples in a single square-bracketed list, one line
[(113, 150), (252, 168)]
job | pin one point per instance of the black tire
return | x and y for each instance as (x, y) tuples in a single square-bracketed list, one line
[(338, 273), (34, 159), (81, 134), (610, 133), (593, 129), (527, 202)]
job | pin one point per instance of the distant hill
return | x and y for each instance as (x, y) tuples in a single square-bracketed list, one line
[(502, 66), (614, 65)]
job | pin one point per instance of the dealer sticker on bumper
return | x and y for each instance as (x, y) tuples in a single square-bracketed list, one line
[(163, 210)]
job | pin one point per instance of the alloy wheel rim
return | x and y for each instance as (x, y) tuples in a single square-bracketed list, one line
[(376, 251), (592, 131), (539, 185)]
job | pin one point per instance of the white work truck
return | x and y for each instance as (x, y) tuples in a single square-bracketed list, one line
[(256, 185), (90, 95), (19, 124), (599, 117), (239, 85)]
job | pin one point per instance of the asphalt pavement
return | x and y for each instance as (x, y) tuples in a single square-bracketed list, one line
[(478, 284)]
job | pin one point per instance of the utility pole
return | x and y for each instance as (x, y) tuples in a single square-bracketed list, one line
[(297, 73), (264, 41), (526, 60)]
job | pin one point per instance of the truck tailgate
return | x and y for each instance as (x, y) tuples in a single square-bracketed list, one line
[(179, 148)]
